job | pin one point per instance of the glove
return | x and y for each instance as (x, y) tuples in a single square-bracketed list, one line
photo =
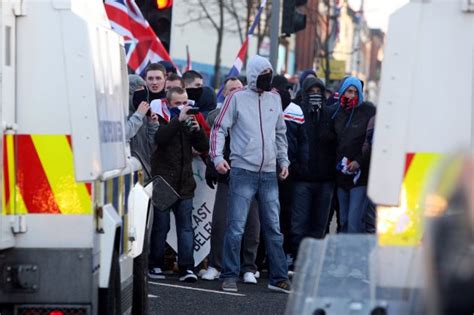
[(211, 174)]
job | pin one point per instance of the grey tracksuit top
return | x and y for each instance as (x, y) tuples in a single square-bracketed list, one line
[(255, 123)]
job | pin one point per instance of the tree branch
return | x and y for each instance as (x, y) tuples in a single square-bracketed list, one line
[(214, 24)]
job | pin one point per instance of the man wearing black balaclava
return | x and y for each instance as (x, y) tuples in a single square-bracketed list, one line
[(204, 96), (314, 186), (258, 145)]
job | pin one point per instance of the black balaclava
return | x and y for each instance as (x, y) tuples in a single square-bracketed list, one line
[(194, 93), (264, 82)]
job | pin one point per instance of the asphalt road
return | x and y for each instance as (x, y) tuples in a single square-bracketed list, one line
[(205, 297)]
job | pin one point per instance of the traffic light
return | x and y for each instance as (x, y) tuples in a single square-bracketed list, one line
[(164, 4), (292, 20), (158, 14), (159, 18)]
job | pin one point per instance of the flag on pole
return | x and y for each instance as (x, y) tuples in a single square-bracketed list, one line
[(239, 60), (141, 43), (189, 65)]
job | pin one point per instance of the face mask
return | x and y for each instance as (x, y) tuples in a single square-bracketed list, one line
[(347, 103), (174, 112), (194, 93), (264, 82), (315, 100)]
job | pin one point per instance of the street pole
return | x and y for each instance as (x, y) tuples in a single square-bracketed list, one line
[(275, 34)]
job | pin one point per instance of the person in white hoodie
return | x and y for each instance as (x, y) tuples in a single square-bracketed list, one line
[(258, 148)]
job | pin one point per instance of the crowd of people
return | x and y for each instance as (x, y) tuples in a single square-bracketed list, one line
[(282, 164)]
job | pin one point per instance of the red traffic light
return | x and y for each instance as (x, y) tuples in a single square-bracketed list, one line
[(164, 4)]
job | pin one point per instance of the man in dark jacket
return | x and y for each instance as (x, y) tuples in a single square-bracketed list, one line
[(172, 160), (297, 154), (314, 179), (350, 124), (204, 96)]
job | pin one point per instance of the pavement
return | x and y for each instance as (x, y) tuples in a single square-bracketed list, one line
[(205, 297)]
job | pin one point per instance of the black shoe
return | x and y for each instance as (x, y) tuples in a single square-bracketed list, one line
[(188, 276), (282, 286)]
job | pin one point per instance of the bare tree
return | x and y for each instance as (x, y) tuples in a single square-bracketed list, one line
[(263, 26), (217, 13), (211, 11), (324, 41)]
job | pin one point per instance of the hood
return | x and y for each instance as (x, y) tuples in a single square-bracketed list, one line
[(207, 101), (354, 82), (310, 82), (305, 74), (280, 83), (135, 81), (255, 66)]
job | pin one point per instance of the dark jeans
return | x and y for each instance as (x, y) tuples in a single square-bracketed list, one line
[(310, 212), (370, 217), (244, 187), (184, 228), (286, 199), (251, 235), (352, 209), (334, 211)]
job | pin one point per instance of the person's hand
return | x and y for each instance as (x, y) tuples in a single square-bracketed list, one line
[(211, 176), (183, 115), (194, 124), (143, 108), (223, 167), (195, 153), (153, 118), (283, 173), (353, 166)]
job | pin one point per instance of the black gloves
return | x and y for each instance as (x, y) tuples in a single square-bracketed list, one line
[(211, 174)]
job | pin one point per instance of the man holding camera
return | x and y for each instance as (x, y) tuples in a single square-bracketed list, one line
[(172, 160)]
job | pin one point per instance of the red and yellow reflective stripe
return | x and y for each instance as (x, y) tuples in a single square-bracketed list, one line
[(403, 225), (44, 176), (8, 175)]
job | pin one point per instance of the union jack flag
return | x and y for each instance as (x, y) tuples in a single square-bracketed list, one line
[(141, 43)]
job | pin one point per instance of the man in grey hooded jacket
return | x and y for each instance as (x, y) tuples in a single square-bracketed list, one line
[(253, 118)]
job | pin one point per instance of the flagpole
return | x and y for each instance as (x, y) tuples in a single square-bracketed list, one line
[(274, 34), (241, 54)]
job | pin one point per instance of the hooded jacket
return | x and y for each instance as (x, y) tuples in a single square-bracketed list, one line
[(207, 101), (142, 144), (321, 159), (350, 125), (255, 123)]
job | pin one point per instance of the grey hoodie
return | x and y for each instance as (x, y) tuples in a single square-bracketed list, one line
[(256, 126)]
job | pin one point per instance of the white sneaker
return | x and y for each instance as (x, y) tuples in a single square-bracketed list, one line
[(249, 277), (156, 273), (210, 274)]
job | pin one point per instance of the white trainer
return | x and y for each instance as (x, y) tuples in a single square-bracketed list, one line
[(210, 274), (249, 277)]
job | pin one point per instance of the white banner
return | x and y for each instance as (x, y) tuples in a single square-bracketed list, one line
[(203, 203)]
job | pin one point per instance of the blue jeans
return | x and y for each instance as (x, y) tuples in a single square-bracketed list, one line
[(244, 186), (184, 229), (310, 211), (352, 209)]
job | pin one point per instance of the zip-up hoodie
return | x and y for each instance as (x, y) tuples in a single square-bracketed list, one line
[(350, 126), (255, 123)]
